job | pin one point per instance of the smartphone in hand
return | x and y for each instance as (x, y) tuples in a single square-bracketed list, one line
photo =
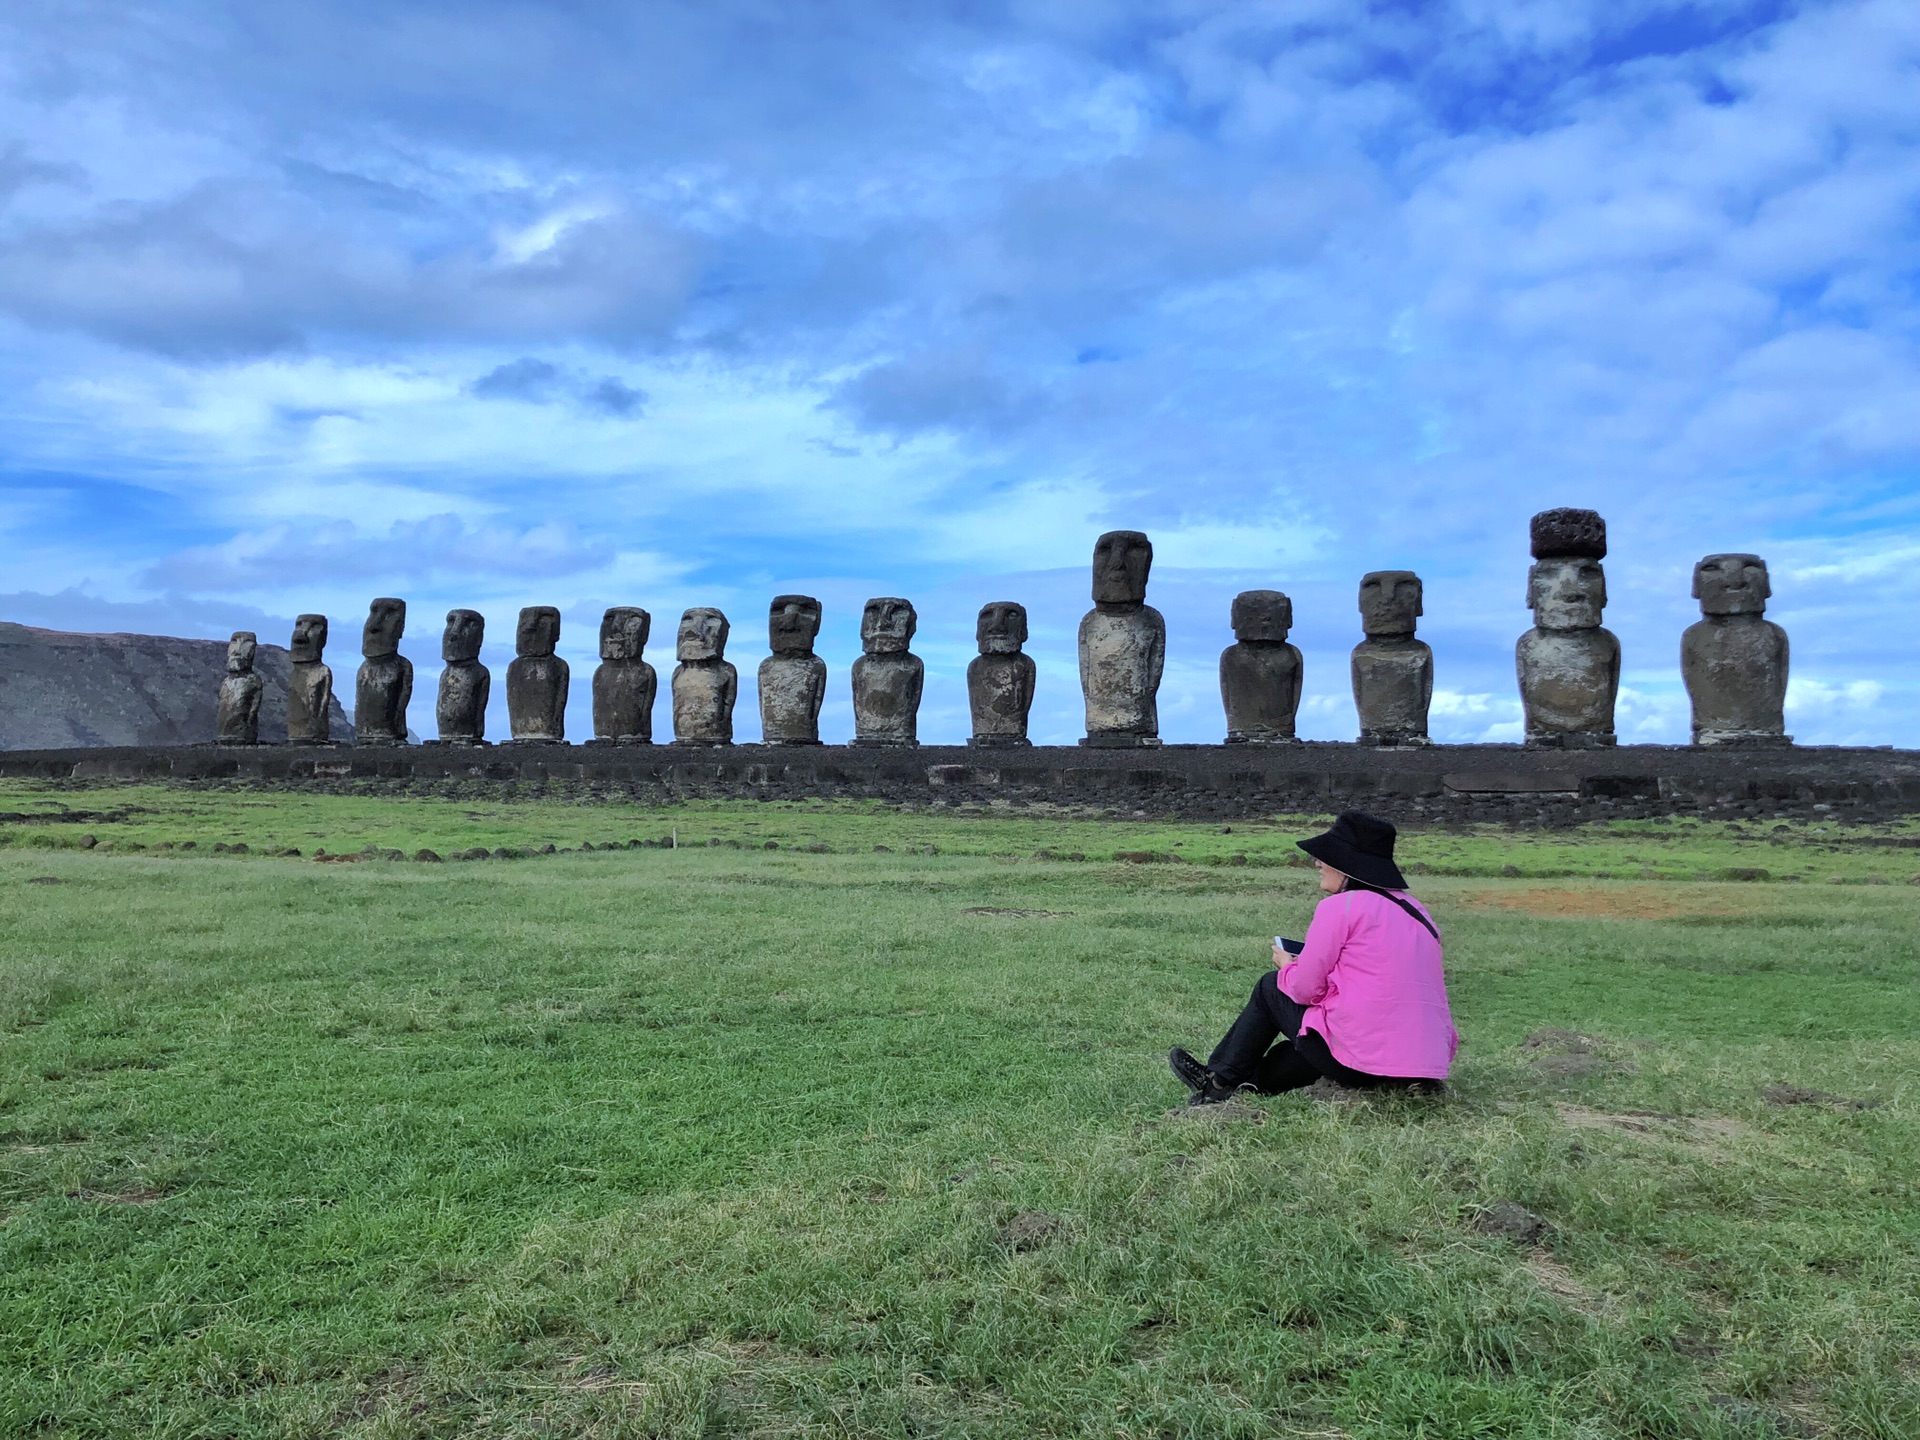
[(1292, 947)]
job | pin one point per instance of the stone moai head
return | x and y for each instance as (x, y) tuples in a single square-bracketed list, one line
[(1121, 560), (240, 652), (309, 638), (538, 632), (1001, 628), (460, 642), (887, 626), (1390, 602), (792, 623), (1732, 585), (703, 635), (623, 632), (386, 623), (1566, 588), (1262, 616)]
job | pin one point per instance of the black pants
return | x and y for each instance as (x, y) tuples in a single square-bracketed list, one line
[(1248, 1055)]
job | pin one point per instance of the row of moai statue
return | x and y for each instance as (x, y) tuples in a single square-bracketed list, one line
[(1734, 662)]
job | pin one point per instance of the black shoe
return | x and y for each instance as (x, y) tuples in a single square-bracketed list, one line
[(1189, 1071)]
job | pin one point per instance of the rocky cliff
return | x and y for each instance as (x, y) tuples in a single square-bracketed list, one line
[(59, 689)]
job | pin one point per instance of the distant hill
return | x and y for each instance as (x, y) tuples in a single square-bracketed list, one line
[(59, 689)]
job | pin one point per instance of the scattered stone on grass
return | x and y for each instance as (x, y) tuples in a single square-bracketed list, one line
[(1133, 857), (1510, 1220), (1029, 1230), (87, 842), (1801, 1095), (1512, 872), (1745, 872), (426, 857), (1009, 914)]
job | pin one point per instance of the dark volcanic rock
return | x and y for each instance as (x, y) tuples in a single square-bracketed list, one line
[(61, 690)]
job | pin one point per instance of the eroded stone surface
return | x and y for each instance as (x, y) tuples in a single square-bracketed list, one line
[(1734, 659), (384, 685), (1123, 645), (624, 684), (1260, 673), (310, 686), (465, 684), (537, 679), (705, 684), (1568, 665), (238, 720), (793, 680), (888, 678), (1392, 670), (1000, 680)]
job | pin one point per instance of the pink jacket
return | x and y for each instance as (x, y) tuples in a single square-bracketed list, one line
[(1371, 980)]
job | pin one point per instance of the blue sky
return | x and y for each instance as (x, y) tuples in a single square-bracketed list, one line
[(490, 304)]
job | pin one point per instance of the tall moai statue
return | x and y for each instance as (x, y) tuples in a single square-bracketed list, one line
[(1568, 665), (1392, 671), (705, 683), (1000, 679), (1733, 658), (624, 685), (1123, 646), (1260, 673), (237, 721), (887, 678), (537, 679), (465, 684), (310, 685), (793, 680), (385, 683)]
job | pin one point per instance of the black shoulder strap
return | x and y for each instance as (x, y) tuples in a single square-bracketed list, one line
[(1413, 910), (1403, 903)]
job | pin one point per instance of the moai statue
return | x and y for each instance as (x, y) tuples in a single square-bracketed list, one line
[(704, 682), (310, 686), (624, 685), (793, 680), (385, 683), (1392, 671), (1123, 645), (238, 720), (1260, 673), (537, 680), (1569, 667), (887, 679), (465, 684), (1000, 679), (1734, 659)]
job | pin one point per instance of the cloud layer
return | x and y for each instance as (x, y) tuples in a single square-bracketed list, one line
[(512, 303)]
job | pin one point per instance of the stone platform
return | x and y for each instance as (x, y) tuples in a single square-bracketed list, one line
[(1442, 782)]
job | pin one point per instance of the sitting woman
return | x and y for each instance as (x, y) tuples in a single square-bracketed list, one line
[(1363, 1004)]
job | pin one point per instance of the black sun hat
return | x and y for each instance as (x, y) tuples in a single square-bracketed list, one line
[(1359, 845)]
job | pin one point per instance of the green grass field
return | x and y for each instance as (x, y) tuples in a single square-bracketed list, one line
[(820, 1140)]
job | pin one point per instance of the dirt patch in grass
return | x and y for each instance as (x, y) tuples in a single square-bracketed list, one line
[(137, 1195), (1006, 914), (1700, 1132), (1608, 902)]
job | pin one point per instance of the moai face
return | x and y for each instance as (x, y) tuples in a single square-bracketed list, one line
[(309, 638), (538, 631), (1567, 594), (1732, 585), (703, 635), (623, 632), (460, 642), (386, 623), (240, 652), (792, 623), (1262, 615), (1389, 602), (1121, 561), (887, 626), (1001, 628)]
